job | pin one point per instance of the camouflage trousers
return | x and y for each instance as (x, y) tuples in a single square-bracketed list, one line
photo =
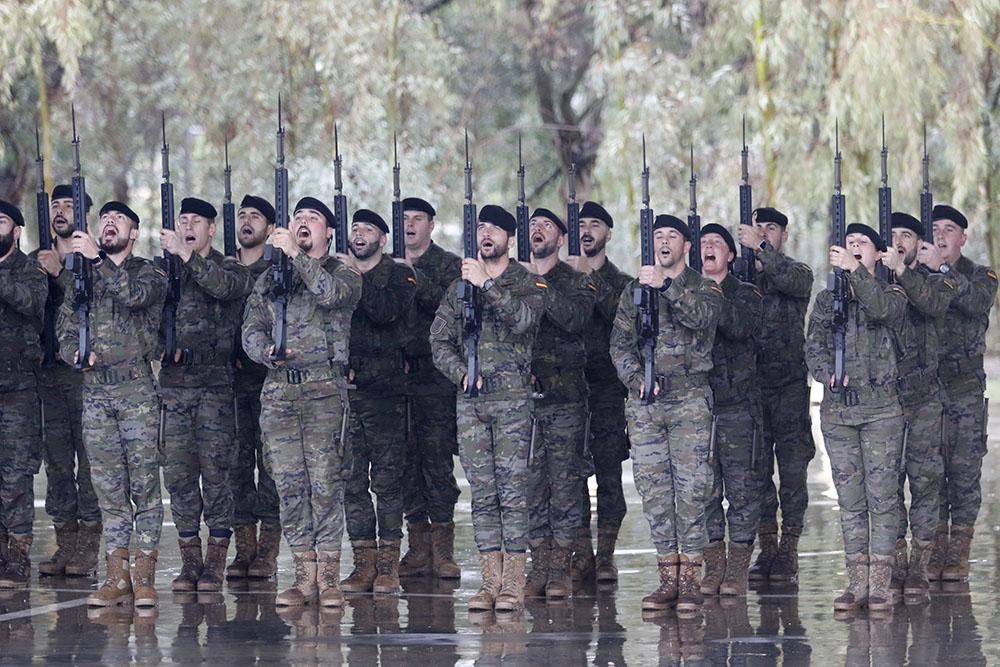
[(429, 487), (378, 436), (254, 500), (964, 446), (608, 448), (671, 464), (197, 450), (739, 474), (493, 441), (69, 490), (120, 428), (924, 469), (305, 454), (787, 439), (20, 459), (554, 479), (864, 443)]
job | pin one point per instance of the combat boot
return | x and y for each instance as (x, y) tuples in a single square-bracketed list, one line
[(443, 551), (191, 564), (144, 584), (689, 598), (66, 533), (387, 567), (511, 595), (212, 574), (83, 562), (417, 559), (328, 579), (604, 564), (879, 583), (305, 589), (737, 566), (265, 564), (491, 568), (939, 553), (856, 594), (715, 568), (363, 576), (17, 572), (583, 556), (560, 583), (916, 584), (246, 551), (899, 567), (665, 596), (768, 538), (785, 566), (117, 586), (538, 576), (956, 565)]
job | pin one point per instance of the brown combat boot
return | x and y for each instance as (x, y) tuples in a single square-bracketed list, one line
[(715, 568), (144, 583), (956, 565), (417, 559), (856, 594), (785, 566), (387, 567), (117, 586), (939, 553), (538, 576), (604, 564), (328, 579), (246, 551), (213, 572), (65, 546), (583, 556), (560, 583), (363, 576), (265, 564), (737, 567), (83, 562), (665, 596), (916, 587), (689, 598), (305, 589), (191, 565), (879, 583), (443, 551), (17, 571), (491, 568), (768, 538), (900, 564), (511, 595)]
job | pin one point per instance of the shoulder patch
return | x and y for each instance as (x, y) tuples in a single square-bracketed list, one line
[(438, 325)]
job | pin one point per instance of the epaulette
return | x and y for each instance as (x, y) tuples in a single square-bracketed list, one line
[(411, 279), (591, 286), (757, 293), (949, 283), (541, 284), (159, 270), (992, 274), (716, 288)]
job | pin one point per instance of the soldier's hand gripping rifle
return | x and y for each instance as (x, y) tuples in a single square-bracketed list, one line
[(398, 245), (228, 210), (926, 198), (50, 344), (281, 266), (836, 281), (694, 220), (572, 216), (468, 293), (169, 263), (644, 297), (523, 235), (885, 210), (75, 263), (745, 265), (340, 239)]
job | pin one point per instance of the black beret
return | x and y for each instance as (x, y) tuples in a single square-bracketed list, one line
[(907, 221), (714, 228), (261, 204), (945, 212), (63, 191), (318, 206), (119, 207), (768, 214), (546, 213), (13, 212), (370, 217), (499, 216), (198, 207), (591, 209), (858, 228), (672, 221), (418, 204)]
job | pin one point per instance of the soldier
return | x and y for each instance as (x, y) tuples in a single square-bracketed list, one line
[(70, 498), (23, 288), (253, 501), (608, 443), (738, 468), (560, 412), (671, 436), (378, 408), (196, 388), (304, 399), (429, 487), (494, 427), (862, 421), (963, 382), (120, 404), (787, 431)]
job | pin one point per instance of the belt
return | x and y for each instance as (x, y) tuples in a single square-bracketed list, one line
[(670, 383), (302, 375), (422, 363), (920, 381), (200, 358), (855, 395), (951, 368), (116, 375), (494, 384)]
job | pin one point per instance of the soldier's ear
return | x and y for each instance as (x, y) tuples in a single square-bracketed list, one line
[(329, 233), (784, 234), (134, 232), (211, 229)]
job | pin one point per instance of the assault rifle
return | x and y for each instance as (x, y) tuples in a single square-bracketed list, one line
[(398, 245), (50, 343), (339, 200), (694, 220), (523, 235), (885, 210), (926, 198), (572, 216), (169, 263), (468, 293), (836, 281), (75, 263), (648, 320), (228, 210), (281, 266), (746, 268)]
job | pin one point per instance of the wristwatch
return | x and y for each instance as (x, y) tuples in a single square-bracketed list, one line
[(666, 284), (101, 256), (944, 268), (762, 246), (488, 284)]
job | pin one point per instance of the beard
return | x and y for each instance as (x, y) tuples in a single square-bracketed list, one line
[(544, 250), (6, 243), (495, 252), (253, 240), (113, 247), (910, 257), (366, 252), (599, 245), (66, 231)]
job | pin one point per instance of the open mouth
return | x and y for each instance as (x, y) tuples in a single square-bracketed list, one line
[(59, 220), (303, 233), (109, 232), (586, 238), (857, 257), (190, 238), (537, 238), (709, 258), (246, 230), (409, 233), (486, 245)]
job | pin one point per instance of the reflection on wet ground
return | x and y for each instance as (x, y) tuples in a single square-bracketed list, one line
[(429, 623)]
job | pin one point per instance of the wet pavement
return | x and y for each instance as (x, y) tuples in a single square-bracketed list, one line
[(429, 623)]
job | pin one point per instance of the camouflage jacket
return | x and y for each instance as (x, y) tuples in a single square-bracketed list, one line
[(874, 310), (213, 290), (511, 312), (917, 337), (688, 314), (436, 269), (57, 292), (601, 374), (734, 363), (23, 289), (559, 356), (249, 374), (378, 328), (962, 331), (787, 286)]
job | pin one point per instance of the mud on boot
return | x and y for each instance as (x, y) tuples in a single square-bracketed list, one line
[(583, 556), (689, 597), (956, 565), (879, 584), (560, 583), (917, 587), (856, 594), (16, 572), (538, 575), (715, 568), (191, 565), (900, 563), (939, 553)]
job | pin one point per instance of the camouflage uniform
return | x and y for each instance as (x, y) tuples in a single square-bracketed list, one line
[(495, 428), (671, 461), (304, 398), (120, 404), (378, 407)]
